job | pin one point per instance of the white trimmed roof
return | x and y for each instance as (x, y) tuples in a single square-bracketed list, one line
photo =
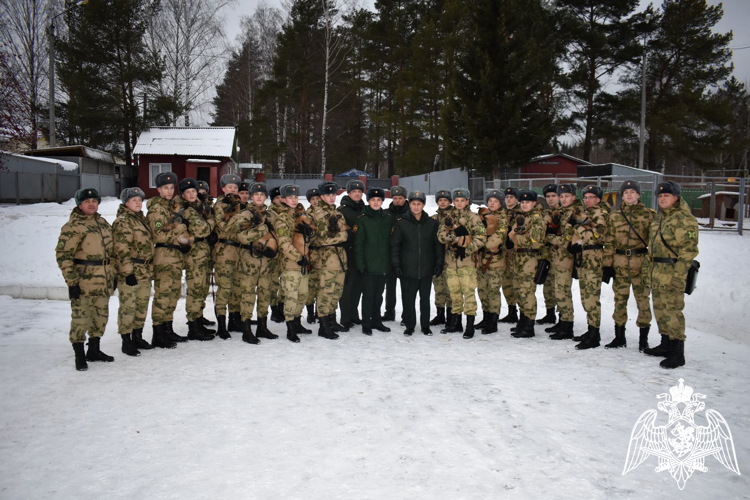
[(552, 155), (186, 141)]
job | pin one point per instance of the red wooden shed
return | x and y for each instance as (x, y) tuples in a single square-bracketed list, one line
[(558, 164)]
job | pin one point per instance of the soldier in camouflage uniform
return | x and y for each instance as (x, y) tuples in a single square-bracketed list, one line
[(527, 234), (552, 211), (328, 255), (226, 250), (512, 209), (587, 245), (84, 251), (254, 232), (168, 256), (464, 234), (197, 259), (398, 208), (313, 196), (235, 296), (207, 207), (134, 252), (624, 254), (672, 245), (276, 292), (491, 262), (442, 297), (351, 207)]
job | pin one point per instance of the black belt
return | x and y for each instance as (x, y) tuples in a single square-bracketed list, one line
[(593, 247), (167, 245), (527, 250), (230, 243), (140, 261), (665, 260), (247, 247), (82, 262), (198, 240), (314, 248), (637, 251)]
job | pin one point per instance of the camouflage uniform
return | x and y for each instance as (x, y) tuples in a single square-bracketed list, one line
[(87, 238), (167, 257), (313, 282), (509, 254), (442, 297), (328, 257), (491, 265), (546, 252), (276, 293), (249, 226), (134, 252), (461, 275), (226, 258), (294, 281), (527, 247), (197, 260), (562, 261)]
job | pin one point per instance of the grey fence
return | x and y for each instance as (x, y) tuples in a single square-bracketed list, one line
[(435, 181), (34, 187)]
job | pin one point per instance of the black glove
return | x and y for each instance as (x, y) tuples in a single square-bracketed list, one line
[(608, 273), (460, 252), (438, 270), (448, 221), (575, 248), (362, 272), (185, 249), (212, 239), (269, 226), (303, 262), (304, 230), (257, 219), (202, 196), (461, 231), (74, 292), (399, 273), (333, 224), (509, 244), (131, 280)]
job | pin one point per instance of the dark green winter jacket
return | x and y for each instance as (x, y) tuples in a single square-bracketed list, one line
[(351, 210), (372, 243), (415, 247)]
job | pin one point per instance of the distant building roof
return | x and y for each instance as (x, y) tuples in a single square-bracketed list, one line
[(186, 141), (552, 155), (75, 150), (65, 165)]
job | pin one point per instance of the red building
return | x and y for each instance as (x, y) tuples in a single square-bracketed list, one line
[(203, 153), (557, 164)]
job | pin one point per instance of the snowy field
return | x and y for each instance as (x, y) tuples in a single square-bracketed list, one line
[(362, 417)]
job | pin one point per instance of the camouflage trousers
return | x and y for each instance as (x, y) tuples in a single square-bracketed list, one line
[(590, 284), (330, 287), (488, 288), (668, 307), (225, 268), (255, 285), (294, 284), (442, 297), (235, 294), (313, 284), (563, 279), (167, 285), (88, 314), (621, 287), (508, 284), (131, 314), (462, 285), (196, 269), (276, 291), (525, 289), (550, 298)]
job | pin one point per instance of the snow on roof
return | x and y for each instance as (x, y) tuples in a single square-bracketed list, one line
[(202, 160), (65, 165), (76, 150), (708, 195), (573, 158), (252, 166), (188, 141)]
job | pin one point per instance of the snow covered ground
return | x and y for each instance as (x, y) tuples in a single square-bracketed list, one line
[(361, 417)]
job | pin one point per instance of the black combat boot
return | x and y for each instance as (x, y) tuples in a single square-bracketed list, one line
[(334, 325), (565, 331), (235, 322), (247, 333), (676, 356), (619, 340), (276, 315), (222, 333), (661, 350), (171, 335), (204, 329), (311, 316), (367, 329), (454, 326), (549, 319), (137, 336), (440, 318), (161, 339), (512, 316), (426, 330), (81, 364), (469, 332), (262, 332), (377, 324), (483, 323), (581, 338), (592, 340), (408, 332), (555, 328), (299, 328), (643, 338), (128, 346), (291, 332), (527, 329), (206, 322), (325, 330), (519, 325), (195, 333), (96, 354), (491, 326), (448, 315)]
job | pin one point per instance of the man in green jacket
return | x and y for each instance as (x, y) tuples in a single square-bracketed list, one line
[(397, 208), (372, 258), (416, 256), (351, 207)]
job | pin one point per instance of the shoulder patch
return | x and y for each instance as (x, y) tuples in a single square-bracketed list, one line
[(61, 245), (158, 225), (355, 228), (692, 235)]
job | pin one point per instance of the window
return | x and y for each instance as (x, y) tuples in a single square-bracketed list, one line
[(155, 169)]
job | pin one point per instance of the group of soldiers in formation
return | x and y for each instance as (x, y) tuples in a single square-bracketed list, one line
[(289, 258)]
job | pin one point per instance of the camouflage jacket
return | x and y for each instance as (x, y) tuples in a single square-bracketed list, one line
[(87, 237), (590, 233), (133, 240), (679, 228), (532, 237), (250, 225), (327, 246), (442, 213), (198, 226), (224, 231), (560, 257), (491, 256), (165, 230), (477, 233), (621, 236), (548, 213), (285, 226)]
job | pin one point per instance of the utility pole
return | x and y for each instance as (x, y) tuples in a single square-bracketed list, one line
[(643, 110)]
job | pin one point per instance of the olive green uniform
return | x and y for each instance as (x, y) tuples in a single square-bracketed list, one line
[(442, 297), (328, 256), (491, 265), (528, 244)]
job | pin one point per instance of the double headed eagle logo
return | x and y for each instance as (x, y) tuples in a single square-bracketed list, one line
[(681, 446)]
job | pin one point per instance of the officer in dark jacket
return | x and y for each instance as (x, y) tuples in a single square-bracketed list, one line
[(416, 256), (397, 208), (351, 207), (372, 257)]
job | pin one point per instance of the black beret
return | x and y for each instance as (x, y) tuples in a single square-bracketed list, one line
[(630, 185), (668, 187), (355, 184), (188, 183), (166, 178), (328, 187), (312, 192), (567, 188), (258, 187), (203, 185), (549, 188), (290, 190), (527, 195), (87, 194), (461, 193), (595, 190), (398, 191), (495, 193), (133, 192), (511, 192), (376, 193), (443, 194), (230, 179), (274, 193), (418, 196)]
